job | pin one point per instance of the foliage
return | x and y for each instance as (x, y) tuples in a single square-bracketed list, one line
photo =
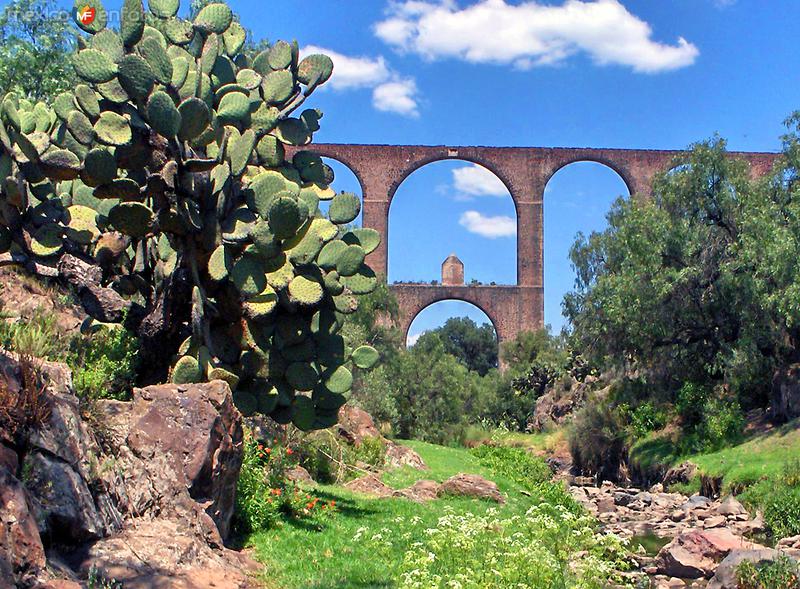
[(518, 465), (644, 419), (104, 364), (160, 187), (38, 337), (597, 440), (35, 43), (265, 495), (474, 346), (782, 573), (782, 512), (330, 460), (687, 263)]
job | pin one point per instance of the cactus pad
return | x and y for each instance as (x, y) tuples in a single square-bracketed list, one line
[(214, 18), (344, 208), (162, 114), (94, 66)]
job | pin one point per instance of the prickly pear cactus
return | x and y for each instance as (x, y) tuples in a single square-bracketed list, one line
[(168, 164)]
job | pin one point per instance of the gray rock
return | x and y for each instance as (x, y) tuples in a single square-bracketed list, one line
[(725, 575), (471, 485), (731, 507)]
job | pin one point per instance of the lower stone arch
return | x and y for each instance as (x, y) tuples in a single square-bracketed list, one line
[(413, 315), (511, 309)]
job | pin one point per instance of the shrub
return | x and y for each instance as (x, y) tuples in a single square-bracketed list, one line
[(330, 460), (597, 440), (520, 466), (645, 418), (722, 425), (104, 364), (782, 573), (782, 512), (255, 508), (690, 403)]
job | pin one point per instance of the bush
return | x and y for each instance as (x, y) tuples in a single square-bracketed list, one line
[(723, 424), (520, 466), (330, 460), (597, 440), (645, 418), (264, 494), (104, 364), (782, 512), (255, 508), (690, 403), (782, 573)]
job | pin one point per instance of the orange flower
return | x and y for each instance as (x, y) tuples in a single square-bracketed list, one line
[(289, 452), (268, 450)]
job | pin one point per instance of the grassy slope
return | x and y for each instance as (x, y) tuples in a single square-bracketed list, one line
[(761, 457), (298, 557)]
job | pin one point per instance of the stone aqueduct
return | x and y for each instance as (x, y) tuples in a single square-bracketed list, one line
[(525, 171)]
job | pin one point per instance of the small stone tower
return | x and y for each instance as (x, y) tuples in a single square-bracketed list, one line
[(452, 271)]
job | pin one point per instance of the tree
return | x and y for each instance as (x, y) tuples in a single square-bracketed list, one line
[(475, 347), (677, 285), (36, 39), (163, 189)]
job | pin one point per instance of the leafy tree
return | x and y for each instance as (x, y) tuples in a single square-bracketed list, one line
[(666, 287), (36, 39), (475, 347)]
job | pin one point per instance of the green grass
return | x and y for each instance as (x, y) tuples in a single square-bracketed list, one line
[(298, 556), (761, 457)]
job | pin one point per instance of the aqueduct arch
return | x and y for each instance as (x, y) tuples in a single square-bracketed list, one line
[(525, 171)]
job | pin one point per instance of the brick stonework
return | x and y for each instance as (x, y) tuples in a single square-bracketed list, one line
[(381, 169)]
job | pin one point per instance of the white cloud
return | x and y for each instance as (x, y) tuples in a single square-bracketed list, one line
[(530, 34), (390, 92), (398, 96), (413, 338), (352, 72), (485, 226), (476, 180)]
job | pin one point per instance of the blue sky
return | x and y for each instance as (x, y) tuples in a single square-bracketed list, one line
[(604, 73)]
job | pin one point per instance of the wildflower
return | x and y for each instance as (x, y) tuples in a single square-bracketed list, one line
[(289, 451), (267, 450)]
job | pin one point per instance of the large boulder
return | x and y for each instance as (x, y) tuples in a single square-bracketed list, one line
[(695, 554), (725, 575), (786, 393), (356, 425), (471, 485)]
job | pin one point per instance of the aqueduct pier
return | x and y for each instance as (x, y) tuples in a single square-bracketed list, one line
[(525, 171)]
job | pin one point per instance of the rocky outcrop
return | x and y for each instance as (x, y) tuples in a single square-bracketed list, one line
[(695, 554), (21, 551), (145, 495), (471, 485), (421, 491), (786, 394), (184, 444)]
